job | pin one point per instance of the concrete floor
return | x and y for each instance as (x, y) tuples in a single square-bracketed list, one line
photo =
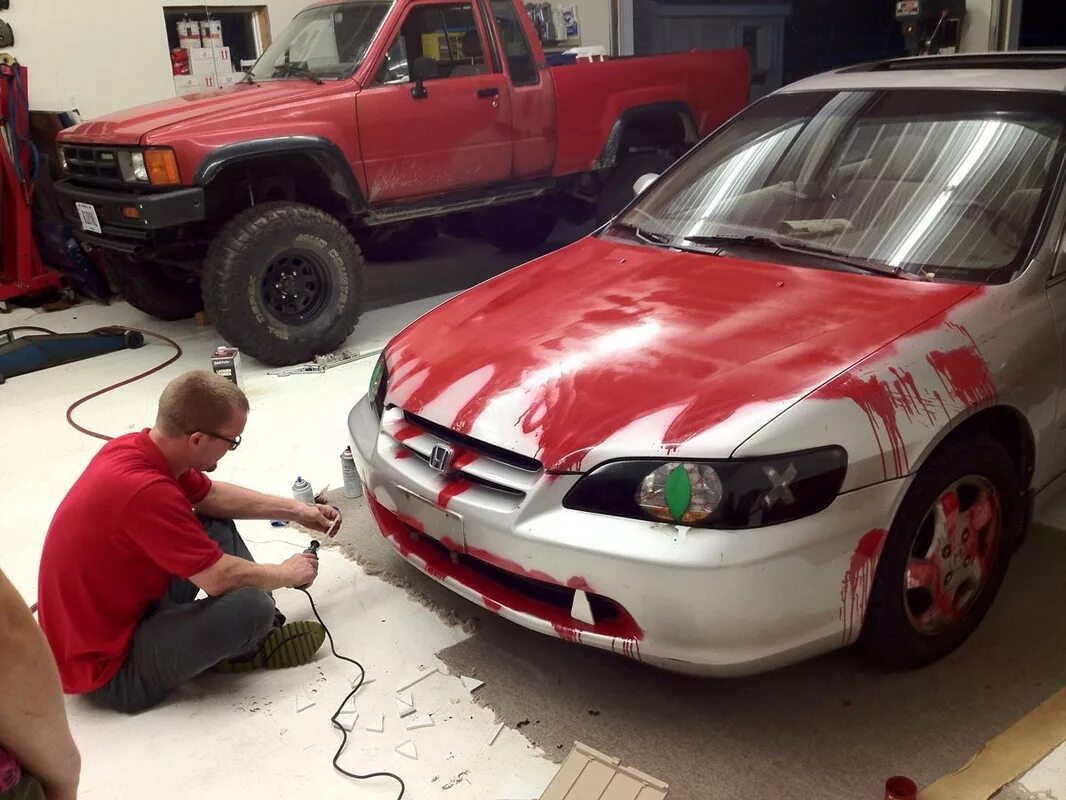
[(828, 728)]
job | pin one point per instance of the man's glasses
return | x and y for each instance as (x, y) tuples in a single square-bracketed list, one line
[(233, 443)]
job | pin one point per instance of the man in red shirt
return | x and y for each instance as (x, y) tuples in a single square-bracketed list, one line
[(141, 532)]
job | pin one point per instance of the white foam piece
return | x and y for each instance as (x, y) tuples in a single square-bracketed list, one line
[(408, 750), (496, 734), (581, 610), (405, 706), (471, 684), (303, 702), (378, 725), (347, 721), (420, 722), (419, 678)]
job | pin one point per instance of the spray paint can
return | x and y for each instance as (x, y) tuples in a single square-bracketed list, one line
[(302, 491), (353, 487), (899, 787)]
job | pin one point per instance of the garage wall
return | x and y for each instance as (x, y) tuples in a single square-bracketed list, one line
[(104, 55), (595, 19), (977, 30)]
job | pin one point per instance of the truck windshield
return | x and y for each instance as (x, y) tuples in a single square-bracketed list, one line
[(941, 184), (322, 42)]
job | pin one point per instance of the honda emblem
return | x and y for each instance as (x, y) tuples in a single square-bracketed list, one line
[(441, 458)]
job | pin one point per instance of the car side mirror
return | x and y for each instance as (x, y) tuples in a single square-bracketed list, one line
[(643, 182)]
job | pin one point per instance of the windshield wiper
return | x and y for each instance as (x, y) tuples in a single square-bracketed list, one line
[(803, 249), (649, 237), (297, 69)]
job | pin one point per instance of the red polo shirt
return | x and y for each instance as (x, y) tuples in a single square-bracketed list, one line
[(118, 539)]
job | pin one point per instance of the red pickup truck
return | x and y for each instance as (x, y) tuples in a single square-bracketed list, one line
[(359, 123)]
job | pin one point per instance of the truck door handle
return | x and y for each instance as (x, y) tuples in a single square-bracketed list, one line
[(490, 92)]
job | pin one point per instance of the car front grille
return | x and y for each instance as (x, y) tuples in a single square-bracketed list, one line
[(505, 475), (97, 165)]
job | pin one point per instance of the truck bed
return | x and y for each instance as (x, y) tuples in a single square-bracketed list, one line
[(588, 100)]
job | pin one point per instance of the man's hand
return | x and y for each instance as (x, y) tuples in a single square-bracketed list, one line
[(317, 518), (300, 570)]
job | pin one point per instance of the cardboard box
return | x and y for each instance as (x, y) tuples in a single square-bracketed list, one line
[(223, 61), (186, 84), (230, 79), (201, 61), (211, 33), (226, 361), (188, 34), (208, 82)]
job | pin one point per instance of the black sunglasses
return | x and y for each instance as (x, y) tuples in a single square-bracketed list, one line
[(233, 443)]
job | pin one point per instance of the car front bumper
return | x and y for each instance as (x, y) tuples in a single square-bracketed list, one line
[(157, 211), (692, 600)]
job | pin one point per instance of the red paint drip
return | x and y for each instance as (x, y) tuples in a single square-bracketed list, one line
[(966, 376), (949, 504), (402, 453), (463, 459), (497, 596), (406, 432), (875, 399), (855, 588), (453, 490)]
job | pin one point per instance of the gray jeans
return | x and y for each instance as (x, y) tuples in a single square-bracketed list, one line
[(180, 636)]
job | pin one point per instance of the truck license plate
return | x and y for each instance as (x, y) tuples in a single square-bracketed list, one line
[(89, 220)]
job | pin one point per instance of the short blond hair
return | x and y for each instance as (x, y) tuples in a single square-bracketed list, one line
[(198, 401)]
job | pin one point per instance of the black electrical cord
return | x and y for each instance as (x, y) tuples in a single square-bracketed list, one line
[(120, 384), (337, 713), (27, 328)]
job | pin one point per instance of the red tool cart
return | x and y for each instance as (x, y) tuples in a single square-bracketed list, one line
[(21, 270)]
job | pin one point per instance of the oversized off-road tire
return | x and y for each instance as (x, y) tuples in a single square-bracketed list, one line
[(156, 289), (516, 227), (395, 242), (945, 555), (284, 282), (617, 192)]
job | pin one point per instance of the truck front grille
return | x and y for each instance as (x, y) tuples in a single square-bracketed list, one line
[(98, 165)]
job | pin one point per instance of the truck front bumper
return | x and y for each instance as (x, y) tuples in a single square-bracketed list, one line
[(154, 212)]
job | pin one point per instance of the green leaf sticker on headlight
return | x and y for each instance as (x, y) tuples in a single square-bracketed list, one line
[(678, 492)]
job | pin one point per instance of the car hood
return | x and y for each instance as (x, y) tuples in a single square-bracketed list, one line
[(130, 126), (607, 349)]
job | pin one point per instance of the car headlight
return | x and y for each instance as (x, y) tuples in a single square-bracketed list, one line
[(740, 493), (379, 385), (132, 165)]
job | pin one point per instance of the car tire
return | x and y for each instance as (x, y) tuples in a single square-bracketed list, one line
[(617, 192), (284, 282), (157, 290), (517, 227), (925, 602)]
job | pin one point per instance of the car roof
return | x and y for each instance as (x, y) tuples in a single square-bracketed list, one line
[(1042, 71)]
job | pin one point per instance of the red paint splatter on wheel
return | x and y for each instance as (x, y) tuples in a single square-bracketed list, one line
[(858, 580)]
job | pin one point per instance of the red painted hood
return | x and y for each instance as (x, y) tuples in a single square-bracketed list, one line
[(226, 106), (642, 346)]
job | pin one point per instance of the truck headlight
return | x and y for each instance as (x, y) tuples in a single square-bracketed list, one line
[(132, 166), (157, 166), (735, 494), (379, 385), (63, 161)]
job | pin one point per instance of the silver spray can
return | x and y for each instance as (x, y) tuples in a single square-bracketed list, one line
[(302, 491), (353, 487)]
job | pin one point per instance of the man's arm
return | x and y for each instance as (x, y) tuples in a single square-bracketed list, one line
[(230, 572), (228, 501), (33, 717)]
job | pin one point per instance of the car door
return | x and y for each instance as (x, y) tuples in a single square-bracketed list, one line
[(451, 131)]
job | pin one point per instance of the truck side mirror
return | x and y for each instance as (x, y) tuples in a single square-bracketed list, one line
[(423, 69), (643, 182)]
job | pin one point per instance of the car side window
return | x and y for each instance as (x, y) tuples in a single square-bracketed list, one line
[(437, 41), (515, 44)]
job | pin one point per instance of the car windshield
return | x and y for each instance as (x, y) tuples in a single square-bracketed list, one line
[(322, 42), (941, 184)]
